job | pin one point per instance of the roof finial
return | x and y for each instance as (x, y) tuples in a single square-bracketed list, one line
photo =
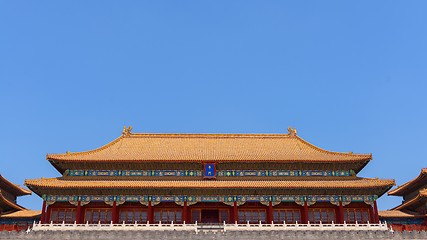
[(292, 131), (126, 131)]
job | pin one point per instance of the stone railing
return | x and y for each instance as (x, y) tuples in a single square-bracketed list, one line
[(307, 227), (211, 227)]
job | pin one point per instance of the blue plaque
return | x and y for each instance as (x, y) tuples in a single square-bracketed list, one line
[(210, 171)]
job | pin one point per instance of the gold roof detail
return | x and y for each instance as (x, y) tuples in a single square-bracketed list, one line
[(210, 147), (410, 186), (126, 131), (64, 184), (292, 131)]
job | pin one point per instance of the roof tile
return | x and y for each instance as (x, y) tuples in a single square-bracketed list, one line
[(209, 147), (25, 213), (59, 183)]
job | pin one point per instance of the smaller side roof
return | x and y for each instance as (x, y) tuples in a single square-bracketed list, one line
[(420, 199), (7, 204), (8, 186), (410, 186), (25, 213), (399, 214)]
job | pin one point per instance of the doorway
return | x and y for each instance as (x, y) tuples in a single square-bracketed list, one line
[(210, 216)]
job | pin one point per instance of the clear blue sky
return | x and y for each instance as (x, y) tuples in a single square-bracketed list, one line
[(350, 76)]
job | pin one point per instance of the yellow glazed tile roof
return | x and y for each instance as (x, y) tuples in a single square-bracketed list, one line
[(26, 213), (209, 147), (59, 183), (419, 199), (8, 186), (402, 190), (9, 204), (398, 214)]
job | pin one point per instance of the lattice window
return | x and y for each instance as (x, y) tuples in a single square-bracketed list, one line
[(252, 215), (95, 215), (133, 215), (168, 215), (196, 215), (324, 215), (59, 215), (224, 216), (287, 215), (351, 215)]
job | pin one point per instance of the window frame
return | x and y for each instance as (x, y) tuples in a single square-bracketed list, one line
[(99, 212), (317, 215), (295, 215), (55, 213), (350, 215), (261, 215), (131, 215), (167, 212)]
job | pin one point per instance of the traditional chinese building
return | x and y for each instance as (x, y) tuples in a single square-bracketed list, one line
[(12, 215), (413, 210), (209, 178)]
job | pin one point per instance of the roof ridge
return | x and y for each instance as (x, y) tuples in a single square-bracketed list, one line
[(49, 155), (333, 152), (204, 135)]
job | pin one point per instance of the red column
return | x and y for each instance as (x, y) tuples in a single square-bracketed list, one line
[(79, 213), (115, 215), (377, 220), (47, 217), (340, 216), (371, 214), (235, 214), (150, 213), (43, 216), (305, 213), (270, 213), (184, 213)]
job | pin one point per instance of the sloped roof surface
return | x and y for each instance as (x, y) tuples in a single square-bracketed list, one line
[(209, 147)]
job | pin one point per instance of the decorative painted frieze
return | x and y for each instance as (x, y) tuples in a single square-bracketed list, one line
[(136, 173), (211, 171), (285, 173), (229, 200)]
